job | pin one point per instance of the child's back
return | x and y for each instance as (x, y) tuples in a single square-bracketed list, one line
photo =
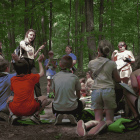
[(104, 79), (23, 87), (65, 84)]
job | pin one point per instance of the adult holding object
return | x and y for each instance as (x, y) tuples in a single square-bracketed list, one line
[(27, 52), (123, 59)]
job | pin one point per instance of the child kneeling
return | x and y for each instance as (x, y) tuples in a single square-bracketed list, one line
[(64, 85), (23, 102)]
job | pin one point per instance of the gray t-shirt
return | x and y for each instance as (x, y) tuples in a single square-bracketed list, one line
[(104, 79), (65, 84)]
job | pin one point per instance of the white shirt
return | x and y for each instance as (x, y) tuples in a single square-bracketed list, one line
[(29, 52)]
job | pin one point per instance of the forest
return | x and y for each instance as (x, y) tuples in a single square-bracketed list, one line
[(78, 23)]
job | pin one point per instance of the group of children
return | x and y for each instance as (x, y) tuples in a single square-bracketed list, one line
[(17, 90)]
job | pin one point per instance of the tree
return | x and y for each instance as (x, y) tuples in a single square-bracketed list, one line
[(90, 29)]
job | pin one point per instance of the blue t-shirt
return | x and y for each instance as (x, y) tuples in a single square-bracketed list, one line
[(5, 91), (72, 55), (51, 71)]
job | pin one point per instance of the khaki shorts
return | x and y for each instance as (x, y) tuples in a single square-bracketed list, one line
[(103, 99)]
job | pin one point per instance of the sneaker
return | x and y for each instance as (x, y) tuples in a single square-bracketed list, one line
[(131, 125), (4, 116), (72, 119), (48, 102), (12, 119), (98, 129), (36, 119), (81, 128), (58, 119)]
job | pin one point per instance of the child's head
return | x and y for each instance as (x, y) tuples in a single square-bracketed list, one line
[(88, 74), (122, 46), (104, 47), (82, 80), (30, 36), (66, 62), (51, 54), (4, 66), (21, 67), (68, 49)]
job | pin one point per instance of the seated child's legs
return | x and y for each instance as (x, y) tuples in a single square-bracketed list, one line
[(49, 81), (43, 102), (132, 102), (10, 99)]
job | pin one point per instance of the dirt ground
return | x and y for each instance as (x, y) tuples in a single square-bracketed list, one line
[(50, 132)]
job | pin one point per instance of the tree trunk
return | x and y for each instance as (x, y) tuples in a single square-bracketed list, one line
[(138, 24), (101, 19), (69, 26), (50, 47), (112, 27), (26, 19), (32, 15), (45, 50), (76, 25), (90, 28), (80, 56)]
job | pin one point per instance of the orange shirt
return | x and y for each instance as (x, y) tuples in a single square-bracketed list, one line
[(24, 103)]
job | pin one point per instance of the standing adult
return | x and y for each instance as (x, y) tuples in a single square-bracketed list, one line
[(123, 57), (27, 52)]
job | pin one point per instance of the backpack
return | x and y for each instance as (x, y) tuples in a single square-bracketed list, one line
[(17, 52)]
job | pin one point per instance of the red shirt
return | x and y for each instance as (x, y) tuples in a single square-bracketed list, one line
[(24, 103)]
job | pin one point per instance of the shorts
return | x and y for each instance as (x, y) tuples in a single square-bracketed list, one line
[(25, 112), (103, 98), (79, 109), (50, 77)]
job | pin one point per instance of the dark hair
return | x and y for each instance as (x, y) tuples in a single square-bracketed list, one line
[(66, 61), (88, 72), (26, 35), (105, 47), (82, 80), (3, 65), (123, 44), (21, 67), (70, 48)]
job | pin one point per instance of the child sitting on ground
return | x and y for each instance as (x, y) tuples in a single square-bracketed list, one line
[(50, 72), (82, 91), (103, 94), (89, 83), (64, 85), (23, 102), (5, 91)]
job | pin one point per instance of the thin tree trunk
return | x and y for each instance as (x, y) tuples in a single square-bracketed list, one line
[(112, 27), (101, 19), (26, 19), (80, 56), (69, 26), (50, 47), (32, 16), (90, 28), (138, 24), (76, 25)]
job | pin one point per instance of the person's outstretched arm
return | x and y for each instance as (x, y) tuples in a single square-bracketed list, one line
[(41, 70), (40, 48)]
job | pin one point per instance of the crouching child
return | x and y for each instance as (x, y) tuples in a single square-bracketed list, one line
[(64, 85), (23, 102)]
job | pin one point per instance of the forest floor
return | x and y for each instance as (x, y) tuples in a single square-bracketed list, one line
[(50, 131)]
